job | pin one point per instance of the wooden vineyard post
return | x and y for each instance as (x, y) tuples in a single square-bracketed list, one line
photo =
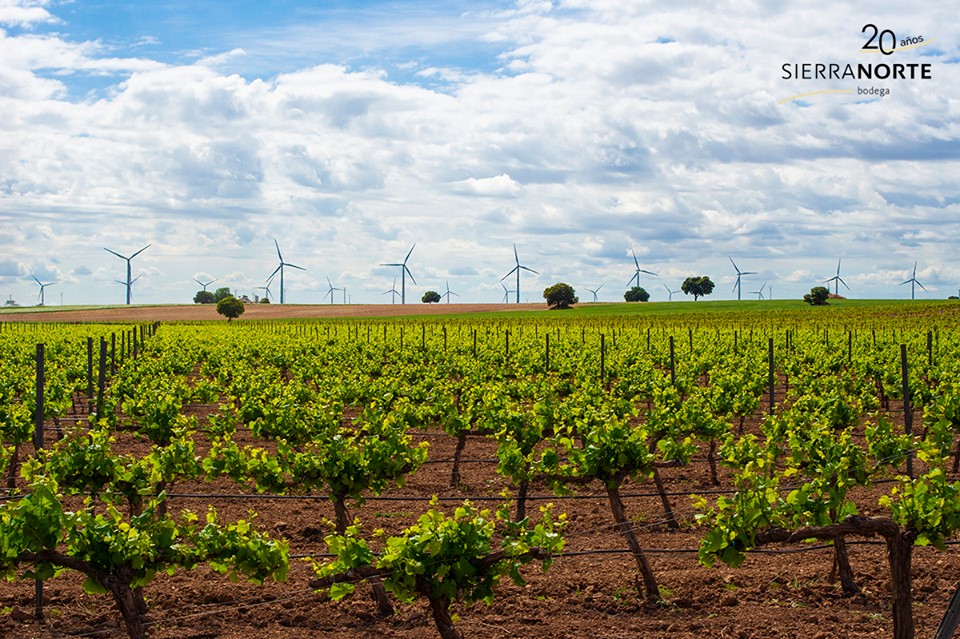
[(770, 376), (37, 445), (673, 376), (849, 347), (401, 337), (506, 343), (89, 375), (101, 377), (546, 360), (907, 410), (603, 359), (929, 348), (690, 338), (113, 354), (423, 337), (444, 339), (474, 343)]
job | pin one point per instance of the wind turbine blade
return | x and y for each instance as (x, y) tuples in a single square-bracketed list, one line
[(902, 283), (122, 257), (840, 279), (516, 258), (409, 273), (921, 286), (393, 264), (294, 266), (635, 260), (599, 287), (272, 275), (140, 251), (735, 266), (197, 281), (838, 268), (277, 244), (408, 253), (510, 273), (35, 279), (649, 273), (529, 269), (749, 273)]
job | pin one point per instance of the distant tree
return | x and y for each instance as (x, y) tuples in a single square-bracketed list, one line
[(636, 294), (430, 297), (264, 300), (697, 286), (222, 293), (817, 296), (230, 307), (560, 295), (204, 297)]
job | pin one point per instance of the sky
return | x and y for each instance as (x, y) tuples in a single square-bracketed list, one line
[(581, 131)]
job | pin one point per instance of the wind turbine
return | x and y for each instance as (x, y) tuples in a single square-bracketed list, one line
[(636, 275), (837, 280), (265, 289), (449, 292), (517, 269), (206, 284), (594, 291), (393, 298), (506, 292), (404, 271), (40, 297), (670, 292), (129, 282), (331, 290), (128, 285), (279, 269), (913, 282), (739, 275), (759, 293)]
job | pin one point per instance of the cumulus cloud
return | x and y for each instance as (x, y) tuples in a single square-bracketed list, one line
[(575, 128)]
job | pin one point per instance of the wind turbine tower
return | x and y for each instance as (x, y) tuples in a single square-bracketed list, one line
[(837, 280), (913, 282), (517, 269), (404, 271), (393, 292), (636, 274), (129, 282), (506, 292), (279, 269), (670, 299), (449, 292), (40, 297), (739, 275), (331, 290), (206, 284)]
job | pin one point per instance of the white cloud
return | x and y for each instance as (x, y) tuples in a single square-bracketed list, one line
[(592, 128)]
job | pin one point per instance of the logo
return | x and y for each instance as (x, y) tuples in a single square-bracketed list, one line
[(863, 74)]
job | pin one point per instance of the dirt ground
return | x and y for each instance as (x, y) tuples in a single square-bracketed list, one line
[(778, 592), (588, 596)]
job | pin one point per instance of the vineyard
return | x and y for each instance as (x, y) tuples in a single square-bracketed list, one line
[(736, 474)]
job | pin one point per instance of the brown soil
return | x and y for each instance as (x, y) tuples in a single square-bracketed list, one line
[(200, 312), (588, 596), (580, 597)]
